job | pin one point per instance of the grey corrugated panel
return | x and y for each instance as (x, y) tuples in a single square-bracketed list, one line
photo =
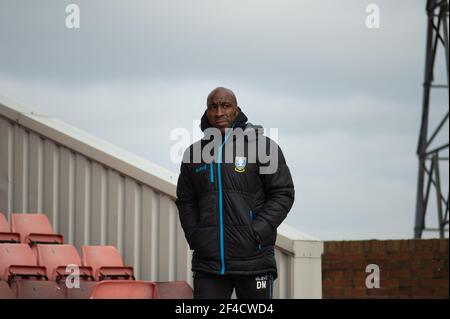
[(35, 169), (66, 187), (20, 175), (82, 200), (6, 166), (131, 219), (50, 181), (97, 204), (148, 243), (166, 239)]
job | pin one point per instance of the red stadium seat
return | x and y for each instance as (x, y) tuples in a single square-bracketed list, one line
[(17, 260), (34, 229), (36, 289), (6, 236), (56, 258), (84, 291), (28, 281), (173, 290), (106, 262), (124, 289)]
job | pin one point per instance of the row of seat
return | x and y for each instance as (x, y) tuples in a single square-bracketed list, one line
[(28, 228), (51, 261), (107, 289), (35, 263)]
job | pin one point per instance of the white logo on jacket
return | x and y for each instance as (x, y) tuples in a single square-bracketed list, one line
[(239, 164)]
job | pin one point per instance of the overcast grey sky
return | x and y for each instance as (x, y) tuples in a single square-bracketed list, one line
[(346, 99)]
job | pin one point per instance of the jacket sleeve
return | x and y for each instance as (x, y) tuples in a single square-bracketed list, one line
[(187, 203), (279, 191)]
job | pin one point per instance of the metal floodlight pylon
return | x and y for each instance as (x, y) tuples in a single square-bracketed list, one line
[(430, 157)]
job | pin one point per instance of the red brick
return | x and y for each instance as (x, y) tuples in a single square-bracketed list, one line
[(443, 246), (440, 273), (355, 293), (441, 292), (392, 246), (329, 247), (335, 274), (360, 265), (378, 246), (400, 264), (377, 255), (356, 246), (422, 273), (432, 263), (433, 282), (332, 293), (407, 283), (382, 292), (422, 291), (356, 275), (427, 255), (343, 283), (389, 283), (327, 283), (399, 273), (400, 256), (412, 245), (354, 256), (331, 256)]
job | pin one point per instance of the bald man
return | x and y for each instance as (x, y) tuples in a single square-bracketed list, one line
[(230, 210)]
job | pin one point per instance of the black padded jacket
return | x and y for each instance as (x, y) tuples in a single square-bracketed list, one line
[(228, 210)]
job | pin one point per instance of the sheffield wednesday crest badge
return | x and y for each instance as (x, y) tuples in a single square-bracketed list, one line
[(239, 164)]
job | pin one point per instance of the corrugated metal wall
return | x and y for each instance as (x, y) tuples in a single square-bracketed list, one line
[(91, 204)]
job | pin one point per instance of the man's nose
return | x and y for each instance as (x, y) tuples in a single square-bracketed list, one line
[(219, 112)]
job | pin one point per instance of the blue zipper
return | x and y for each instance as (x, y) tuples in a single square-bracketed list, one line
[(211, 172), (219, 180)]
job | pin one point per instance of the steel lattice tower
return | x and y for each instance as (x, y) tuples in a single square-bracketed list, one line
[(430, 157)]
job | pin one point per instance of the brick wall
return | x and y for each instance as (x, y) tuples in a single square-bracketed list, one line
[(416, 268)]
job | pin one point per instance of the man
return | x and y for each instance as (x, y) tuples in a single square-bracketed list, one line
[(230, 210)]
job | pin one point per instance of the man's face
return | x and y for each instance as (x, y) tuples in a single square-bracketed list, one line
[(222, 110)]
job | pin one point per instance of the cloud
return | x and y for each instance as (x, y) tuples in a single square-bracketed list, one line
[(320, 47)]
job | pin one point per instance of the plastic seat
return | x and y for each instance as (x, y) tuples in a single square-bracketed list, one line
[(6, 236), (37, 289), (106, 262), (56, 258), (124, 289), (17, 260), (84, 290), (34, 229), (18, 267), (174, 290)]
